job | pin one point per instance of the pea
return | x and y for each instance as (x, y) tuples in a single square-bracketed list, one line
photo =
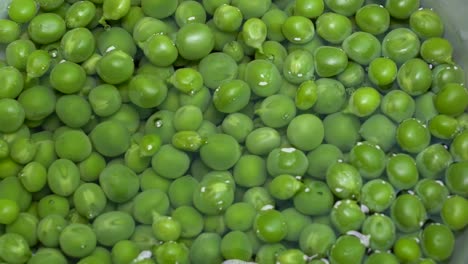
[(309, 8), (114, 226), (194, 41), (382, 71), (344, 8), (331, 96), (443, 126), (316, 192), (206, 249), (22, 11), (408, 213), (426, 23), (77, 240), (10, 211), (333, 27), (454, 178), (407, 249), (80, 14), (317, 239), (400, 45), (353, 75), (49, 229), (425, 107), (158, 9), (231, 96), (124, 251), (67, 77), (113, 62), (15, 248), (114, 10), (190, 12), (341, 130), (453, 211), (10, 31), (381, 230), (276, 110), (346, 215), (274, 19), (17, 53), (373, 18), (344, 180), (12, 82), (377, 195), (454, 95), (53, 204), (401, 9), (48, 255), (218, 62), (236, 245), (33, 176), (26, 226), (298, 29), (437, 241), (46, 28), (363, 101), (398, 105), (380, 257), (263, 77)]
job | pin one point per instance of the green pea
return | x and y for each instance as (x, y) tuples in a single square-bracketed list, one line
[(240, 216), (444, 126), (305, 132), (402, 171), (250, 171), (190, 12), (221, 63), (47, 255), (400, 45), (53, 205), (276, 110), (426, 23), (377, 195), (114, 10), (159, 9), (10, 31), (91, 167), (314, 192), (147, 91), (10, 211), (114, 226), (15, 248), (333, 27), (231, 96), (437, 242), (346, 215), (344, 180), (46, 28), (190, 220), (453, 212), (317, 239), (452, 99), (63, 177), (220, 151), (200, 99), (77, 240), (382, 71), (414, 77), (150, 203), (254, 32), (73, 145), (413, 136), (22, 150), (67, 77), (408, 213), (180, 191), (228, 18), (237, 125), (206, 249), (454, 178), (49, 229), (160, 50), (214, 193), (347, 8), (381, 230), (425, 107), (105, 136), (146, 27), (235, 50), (406, 249), (320, 158), (298, 66), (89, 200), (398, 105), (167, 159), (134, 15), (33, 176), (166, 228), (26, 226), (119, 182), (458, 147), (306, 95), (331, 96), (17, 53), (309, 8), (80, 14), (259, 197), (274, 19), (373, 18), (352, 76), (22, 11), (401, 9), (342, 130), (363, 101), (284, 187), (298, 29), (263, 77), (347, 248), (161, 123), (194, 41), (362, 47), (433, 161), (236, 245), (12, 82), (436, 51), (187, 80), (287, 161), (115, 67)]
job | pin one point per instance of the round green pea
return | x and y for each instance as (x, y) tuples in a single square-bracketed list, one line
[(119, 182), (194, 41), (46, 28), (333, 27), (298, 29), (170, 162), (317, 239), (12, 115), (408, 213), (314, 192), (115, 67), (231, 96), (263, 77), (80, 14), (413, 136), (22, 11), (112, 227), (77, 240), (344, 180)]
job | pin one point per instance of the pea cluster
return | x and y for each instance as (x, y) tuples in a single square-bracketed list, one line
[(284, 131)]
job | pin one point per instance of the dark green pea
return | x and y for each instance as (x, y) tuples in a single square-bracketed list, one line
[(398, 105), (284, 186), (17, 53), (105, 100), (436, 51), (91, 167), (215, 224), (263, 77), (115, 67), (437, 242), (147, 91), (401, 9), (206, 249), (276, 110), (159, 9), (119, 182), (346, 8), (342, 130), (236, 245), (346, 215), (426, 23), (298, 66), (413, 136), (321, 158), (317, 239), (333, 27), (220, 152), (331, 96), (329, 61), (167, 159), (116, 38), (221, 63), (400, 45), (274, 19), (369, 159), (80, 14), (10, 211), (33, 176), (189, 12), (458, 148), (432, 194), (160, 50), (46, 28), (455, 180), (298, 29), (114, 226), (190, 220), (453, 212), (187, 118), (53, 205), (214, 193), (314, 192), (194, 41), (444, 126), (114, 10), (47, 255), (10, 31), (408, 213), (433, 161), (221, 38), (452, 99), (21, 11), (425, 107), (402, 171), (15, 248), (344, 180)]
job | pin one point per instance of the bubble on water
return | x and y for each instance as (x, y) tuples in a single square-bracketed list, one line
[(267, 207), (440, 182), (192, 92), (337, 204), (411, 192), (90, 215), (192, 18), (288, 150), (340, 160), (83, 246), (360, 143)]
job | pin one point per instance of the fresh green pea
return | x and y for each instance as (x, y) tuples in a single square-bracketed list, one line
[(344, 180), (267, 252), (114, 10), (413, 136), (11, 188), (402, 171), (215, 224), (15, 248), (167, 159), (398, 105), (432, 194), (276, 110), (187, 140), (352, 76), (437, 242), (73, 145), (221, 38), (194, 41), (80, 14), (114, 226), (309, 8), (146, 27), (454, 178), (274, 19), (452, 99), (124, 251), (287, 161), (105, 99), (408, 213), (200, 99), (206, 249), (235, 50), (22, 11), (314, 192), (444, 126), (160, 50), (401, 9), (190, 220), (10, 31), (414, 77), (249, 171), (231, 96), (400, 45), (259, 197), (406, 249), (46, 28), (306, 132), (346, 8), (220, 152), (341, 130), (77, 240), (263, 77), (458, 148), (214, 193), (17, 53), (436, 51), (67, 77), (382, 71), (381, 230), (369, 159), (149, 203), (284, 186), (165, 228), (317, 239), (252, 9), (321, 158), (181, 191), (363, 101), (159, 9), (425, 107), (426, 23), (377, 195), (270, 226), (433, 161), (119, 182), (116, 38), (12, 82), (228, 18), (26, 226), (33, 176), (362, 47), (254, 32), (331, 96), (333, 27), (105, 135), (150, 180), (63, 177), (187, 80), (115, 67), (236, 245), (9, 167), (147, 91), (298, 66), (10, 211), (346, 215), (347, 248), (134, 15), (189, 12), (221, 63), (298, 29), (91, 167), (89, 200), (47, 255), (77, 45), (306, 95), (453, 212), (240, 216), (373, 18), (53, 205), (161, 123), (237, 125)]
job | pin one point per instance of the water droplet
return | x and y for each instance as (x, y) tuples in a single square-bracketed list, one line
[(158, 123)]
